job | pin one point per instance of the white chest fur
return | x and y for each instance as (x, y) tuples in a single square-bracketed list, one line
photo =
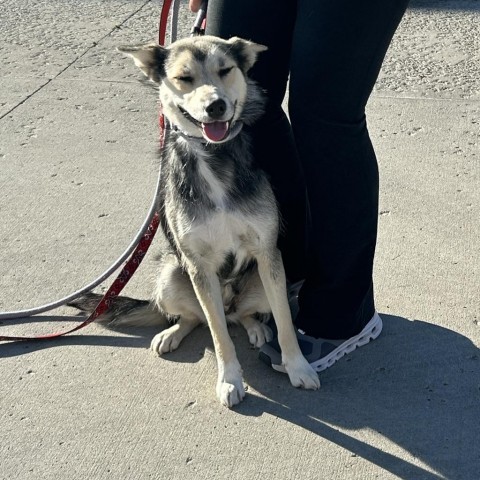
[(214, 187), (225, 230), (223, 233)]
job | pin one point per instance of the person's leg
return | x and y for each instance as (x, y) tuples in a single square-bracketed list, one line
[(338, 48), (270, 22)]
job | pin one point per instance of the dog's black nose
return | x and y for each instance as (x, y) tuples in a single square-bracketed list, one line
[(217, 109)]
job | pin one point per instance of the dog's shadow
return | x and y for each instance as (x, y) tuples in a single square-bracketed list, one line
[(191, 350), (417, 385)]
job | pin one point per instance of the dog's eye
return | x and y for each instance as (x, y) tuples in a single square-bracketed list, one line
[(185, 78), (224, 72)]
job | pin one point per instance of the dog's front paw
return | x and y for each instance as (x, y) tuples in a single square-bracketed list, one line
[(230, 394), (302, 374), (230, 389), (166, 341)]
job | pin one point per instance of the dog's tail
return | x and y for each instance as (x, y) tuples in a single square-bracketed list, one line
[(123, 311)]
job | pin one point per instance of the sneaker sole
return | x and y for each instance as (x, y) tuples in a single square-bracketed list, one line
[(370, 332)]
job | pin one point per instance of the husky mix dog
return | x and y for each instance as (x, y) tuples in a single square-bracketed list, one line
[(219, 260)]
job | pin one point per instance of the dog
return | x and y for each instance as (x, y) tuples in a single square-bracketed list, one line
[(219, 259)]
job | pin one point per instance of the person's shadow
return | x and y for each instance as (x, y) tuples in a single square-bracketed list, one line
[(417, 385)]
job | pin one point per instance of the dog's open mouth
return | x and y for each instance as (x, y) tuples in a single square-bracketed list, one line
[(215, 131), (212, 131)]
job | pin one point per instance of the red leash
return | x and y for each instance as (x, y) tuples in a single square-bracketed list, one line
[(139, 253), (162, 28)]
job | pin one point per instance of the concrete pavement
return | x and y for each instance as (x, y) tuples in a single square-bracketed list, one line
[(78, 164)]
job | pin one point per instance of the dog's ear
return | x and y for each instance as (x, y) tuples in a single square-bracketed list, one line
[(149, 58), (245, 52)]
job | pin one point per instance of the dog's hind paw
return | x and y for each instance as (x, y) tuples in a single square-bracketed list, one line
[(166, 341), (302, 375), (230, 394), (259, 334)]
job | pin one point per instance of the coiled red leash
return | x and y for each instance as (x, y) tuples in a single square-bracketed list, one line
[(141, 249)]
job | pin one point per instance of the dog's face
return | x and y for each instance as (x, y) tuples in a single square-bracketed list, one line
[(202, 81)]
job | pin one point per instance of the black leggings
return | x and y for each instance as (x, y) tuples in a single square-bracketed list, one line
[(323, 167)]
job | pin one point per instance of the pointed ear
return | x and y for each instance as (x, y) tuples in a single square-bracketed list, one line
[(150, 58), (245, 52)]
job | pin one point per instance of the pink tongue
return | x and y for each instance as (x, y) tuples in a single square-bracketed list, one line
[(215, 131)]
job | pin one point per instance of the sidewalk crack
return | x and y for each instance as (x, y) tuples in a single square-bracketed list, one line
[(76, 59)]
